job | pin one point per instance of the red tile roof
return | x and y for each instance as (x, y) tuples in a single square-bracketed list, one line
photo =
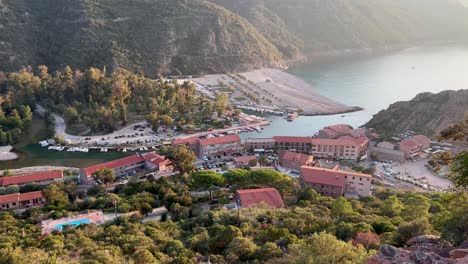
[(245, 159), (359, 132), (421, 140), (408, 143), (154, 158), (219, 140), (322, 176), (29, 178), (180, 141), (114, 164), (418, 140), (292, 139), (20, 197), (361, 140), (296, 157), (328, 176), (251, 197), (343, 128)]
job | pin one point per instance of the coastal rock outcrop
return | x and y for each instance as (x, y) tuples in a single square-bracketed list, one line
[(427, 113), (421, 250)]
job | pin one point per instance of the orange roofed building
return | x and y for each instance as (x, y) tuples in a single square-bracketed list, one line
[(129, 165), (219, 146), (336, 183), (44, 178), (252, 197), (333, 132), (294, 161), (21, 200), (414, 145)]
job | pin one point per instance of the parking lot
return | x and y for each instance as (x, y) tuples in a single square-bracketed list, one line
[(414, 173)]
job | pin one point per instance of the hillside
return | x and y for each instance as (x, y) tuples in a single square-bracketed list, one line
[(427, 113), (200, 36), (334, 25), (151, 37)]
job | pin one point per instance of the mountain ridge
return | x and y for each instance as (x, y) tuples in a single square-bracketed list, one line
[(165, 37)]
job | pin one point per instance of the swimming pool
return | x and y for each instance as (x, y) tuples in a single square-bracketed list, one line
[(75, 223)]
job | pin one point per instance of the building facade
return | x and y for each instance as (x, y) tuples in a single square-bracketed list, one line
[(243, 161), (191, 143), (21, 200), (414, 145), (336, 183), (43, 178), (295, 144), (252, 144), (333, 132), (294, 161), (344, 147), (129, 166), (223, 146)]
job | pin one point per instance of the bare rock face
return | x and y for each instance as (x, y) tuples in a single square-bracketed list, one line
[(392, 255), (427, 113), (425, 249), (459, 253)]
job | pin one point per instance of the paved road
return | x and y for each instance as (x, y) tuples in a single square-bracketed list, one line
[(128, 136)]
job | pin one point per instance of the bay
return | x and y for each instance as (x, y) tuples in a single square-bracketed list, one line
[(373, 83)]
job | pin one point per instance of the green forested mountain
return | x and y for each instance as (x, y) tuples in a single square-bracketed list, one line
[(326, 26), (151, 37), (200, 36)]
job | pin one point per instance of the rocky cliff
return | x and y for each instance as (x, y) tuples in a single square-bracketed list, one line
[(424, 249), (427, 113)]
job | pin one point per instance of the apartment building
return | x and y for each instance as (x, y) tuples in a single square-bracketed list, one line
[(295, 144), (219, 146), (252, 144), (344, 147), (414, 145), (294, 161), (129, 165), (336, 183), (44, 178), (21, 200)]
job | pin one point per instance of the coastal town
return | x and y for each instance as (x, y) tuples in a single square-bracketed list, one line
[(336, 161), (233, 132)]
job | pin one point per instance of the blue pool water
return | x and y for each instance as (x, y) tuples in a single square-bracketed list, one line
[(76, 223)]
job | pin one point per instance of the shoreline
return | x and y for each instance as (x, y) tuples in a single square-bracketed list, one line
[(6, 154), (275, 88), (355, 109)]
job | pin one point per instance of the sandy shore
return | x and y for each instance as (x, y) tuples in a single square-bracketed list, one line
[(5, 153), (293, 91)]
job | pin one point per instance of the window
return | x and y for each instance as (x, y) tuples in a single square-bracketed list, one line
[(354, 177)]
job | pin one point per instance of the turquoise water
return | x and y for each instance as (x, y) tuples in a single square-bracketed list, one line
[(373, 83), (75, 223)]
